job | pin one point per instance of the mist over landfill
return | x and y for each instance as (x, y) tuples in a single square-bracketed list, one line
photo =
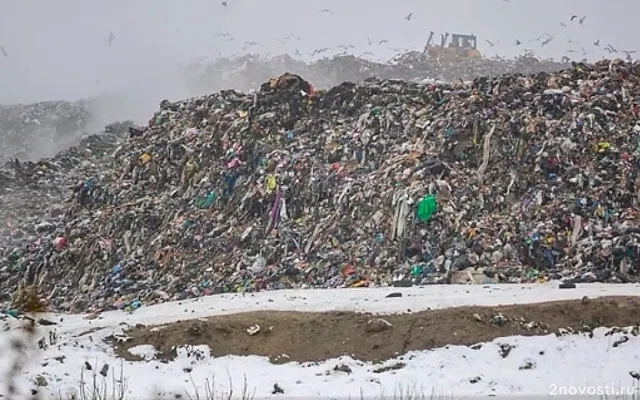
[(68, 56)]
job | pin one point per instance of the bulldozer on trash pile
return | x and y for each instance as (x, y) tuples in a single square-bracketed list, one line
[(453, 47)]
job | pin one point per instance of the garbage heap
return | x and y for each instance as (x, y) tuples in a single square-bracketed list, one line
[(34, 196), (249, 71), (513, 178), (34, 130)]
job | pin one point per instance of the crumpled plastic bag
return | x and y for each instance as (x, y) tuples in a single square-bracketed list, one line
[(427, 207)]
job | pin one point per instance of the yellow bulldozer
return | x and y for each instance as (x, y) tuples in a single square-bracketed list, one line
[(453, 47)]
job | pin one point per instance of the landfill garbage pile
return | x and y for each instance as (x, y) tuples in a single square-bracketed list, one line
[(28, 132), (513, 178), (34, 196), (248, 72)]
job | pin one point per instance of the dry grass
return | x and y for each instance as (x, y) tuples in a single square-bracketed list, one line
[(99, 389), (27, 300), (115, 387), (209, 393)]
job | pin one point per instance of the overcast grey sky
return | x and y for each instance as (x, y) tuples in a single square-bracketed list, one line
[(58, 49)]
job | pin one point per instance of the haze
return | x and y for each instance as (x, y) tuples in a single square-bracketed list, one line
[(59, 50)]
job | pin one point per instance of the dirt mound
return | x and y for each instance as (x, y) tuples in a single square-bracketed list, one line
[(302, 337)]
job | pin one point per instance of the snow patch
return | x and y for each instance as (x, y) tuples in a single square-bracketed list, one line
[(144, 351), (506, 366)]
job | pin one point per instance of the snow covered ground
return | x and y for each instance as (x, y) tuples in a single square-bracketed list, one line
[(548, 365)]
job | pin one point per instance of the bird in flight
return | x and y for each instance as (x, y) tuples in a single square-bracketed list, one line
[(111, 38), (224, 3), (250, 44), (383, 41), (628, 54), (563, 24), (539, 38), (326, 11), (284, 39), (408, 17), (320, 51), (611, 49), (4, 52), (573, 17), (518, 43), (581, 20), (596, 43), (491, 43), (546, 42)]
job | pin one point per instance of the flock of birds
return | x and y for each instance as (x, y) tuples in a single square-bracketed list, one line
[(546, 38), (543, 39)]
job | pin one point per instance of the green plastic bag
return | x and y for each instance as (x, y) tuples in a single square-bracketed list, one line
[(427, 207), (206, 202)]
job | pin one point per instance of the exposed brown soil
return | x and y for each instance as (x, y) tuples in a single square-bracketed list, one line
[(302, 336)]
